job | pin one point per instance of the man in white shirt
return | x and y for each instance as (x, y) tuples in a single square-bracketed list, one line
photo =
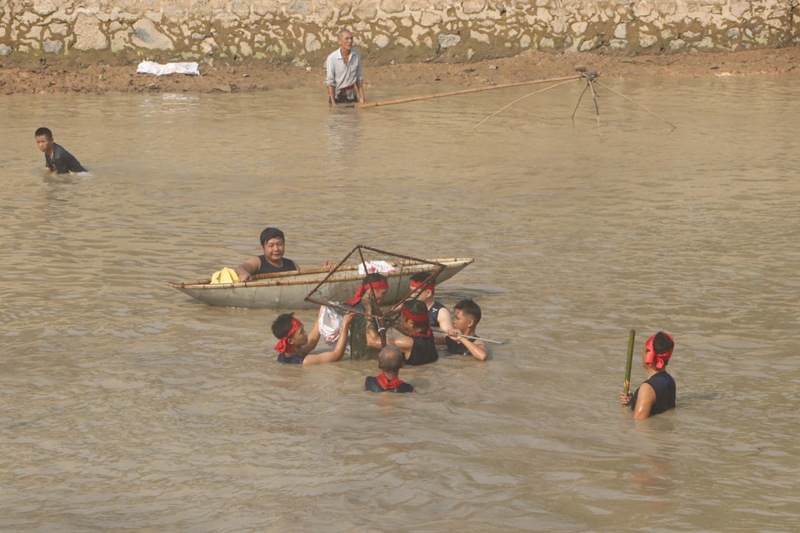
[(344, 77)]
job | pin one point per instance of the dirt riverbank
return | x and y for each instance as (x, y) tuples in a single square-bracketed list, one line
[(59, 75)]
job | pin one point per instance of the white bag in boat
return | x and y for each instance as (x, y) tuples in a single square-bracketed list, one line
[(376, 266)]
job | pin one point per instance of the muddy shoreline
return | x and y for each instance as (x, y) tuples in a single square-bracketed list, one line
[(60, 76)]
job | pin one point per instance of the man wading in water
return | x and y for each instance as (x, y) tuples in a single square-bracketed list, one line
[(344, 77), (657, 394)]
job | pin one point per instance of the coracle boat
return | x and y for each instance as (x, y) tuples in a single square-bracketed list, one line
[(288, 290)]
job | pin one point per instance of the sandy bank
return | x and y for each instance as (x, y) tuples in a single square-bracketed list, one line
[(71, 76)]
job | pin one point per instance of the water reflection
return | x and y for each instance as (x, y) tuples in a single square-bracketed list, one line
[(343, 131)]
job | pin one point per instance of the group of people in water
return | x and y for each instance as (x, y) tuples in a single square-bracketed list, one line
[(414, 341)]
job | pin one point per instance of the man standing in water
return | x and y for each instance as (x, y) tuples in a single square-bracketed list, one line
[(344, 77), (657, 394), (55, 157)]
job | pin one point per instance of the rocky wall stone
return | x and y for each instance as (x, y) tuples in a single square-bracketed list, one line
[(305, 30)]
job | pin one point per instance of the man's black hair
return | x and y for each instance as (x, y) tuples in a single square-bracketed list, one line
[(372, 278), (469, 307), (662, 343), (418, 308), (271, 233), (282, 325)]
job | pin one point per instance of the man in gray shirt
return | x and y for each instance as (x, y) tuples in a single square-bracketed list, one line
[(344, 77)]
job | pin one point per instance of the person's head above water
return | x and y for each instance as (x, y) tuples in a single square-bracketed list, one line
[(290, 333), (415, 315), (44, 139), (274, 244), (373, 284), (657, 350), (467, 309), (271, 233), (390, 359), (419, 282)]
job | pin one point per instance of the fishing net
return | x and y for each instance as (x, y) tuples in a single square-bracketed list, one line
[(341, 284)]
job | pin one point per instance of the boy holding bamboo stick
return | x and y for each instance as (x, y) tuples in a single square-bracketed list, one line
[(467, 315), (657, 393)]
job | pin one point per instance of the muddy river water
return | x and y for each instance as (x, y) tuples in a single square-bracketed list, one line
[(127, 406)]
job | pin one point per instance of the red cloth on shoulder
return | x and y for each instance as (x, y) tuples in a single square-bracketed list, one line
[(384, 382)]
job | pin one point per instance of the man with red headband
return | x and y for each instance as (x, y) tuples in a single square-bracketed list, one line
[(438, 315), (365, 339), (417, 345), (294, 344), (657, 393)]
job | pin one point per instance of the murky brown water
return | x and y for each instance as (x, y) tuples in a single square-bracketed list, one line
[(127, 406)]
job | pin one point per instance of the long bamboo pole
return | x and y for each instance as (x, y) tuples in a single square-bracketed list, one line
[(462, 91), (439, 330)]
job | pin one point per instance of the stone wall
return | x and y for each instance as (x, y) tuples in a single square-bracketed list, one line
[(304, 30)]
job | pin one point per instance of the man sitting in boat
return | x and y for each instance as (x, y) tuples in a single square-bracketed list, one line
[(274, 244), (365, 340), (294, 344), (438, 314), (418, 345)]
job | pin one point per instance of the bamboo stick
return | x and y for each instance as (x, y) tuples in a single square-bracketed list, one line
[(439, 330), (627, 385), (462, 91)]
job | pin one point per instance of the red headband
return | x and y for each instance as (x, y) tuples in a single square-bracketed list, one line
[(424, 284), (416, 318), (659, 358), (362, 290), (283, 344)]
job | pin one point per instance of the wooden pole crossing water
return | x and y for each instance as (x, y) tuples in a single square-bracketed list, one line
[(462, 91)]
